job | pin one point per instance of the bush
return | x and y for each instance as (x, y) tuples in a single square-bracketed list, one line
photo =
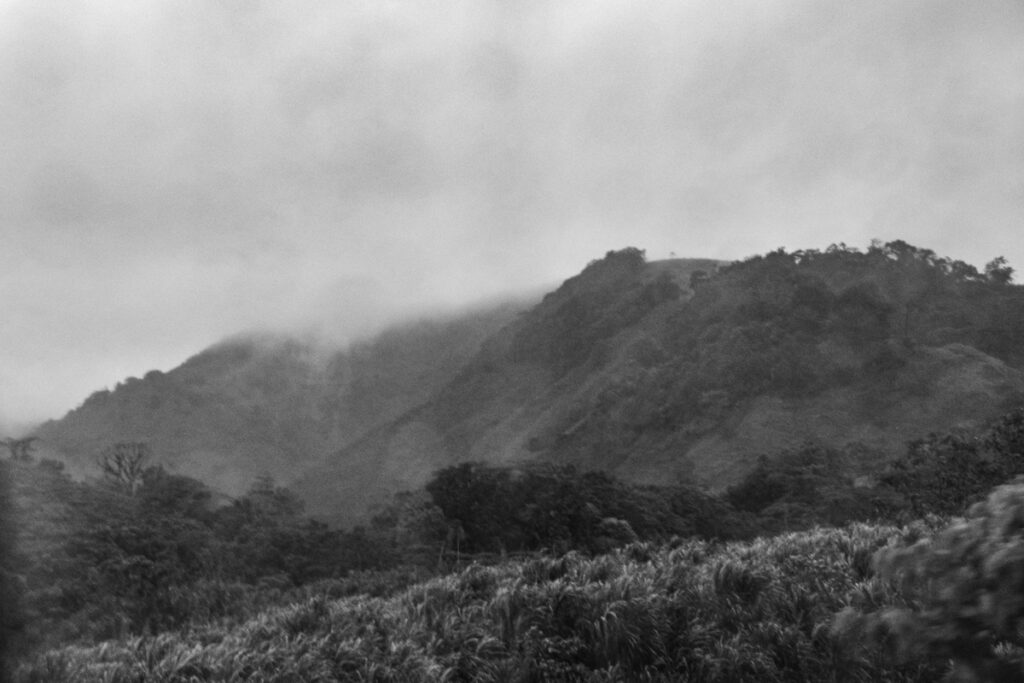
[(963, 594)]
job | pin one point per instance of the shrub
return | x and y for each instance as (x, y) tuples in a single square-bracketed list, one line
[(963, 592)]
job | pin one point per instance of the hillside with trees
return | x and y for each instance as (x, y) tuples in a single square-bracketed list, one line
[(684, 370), (690, 371), (531, 573), (662, 471), (269, 404)]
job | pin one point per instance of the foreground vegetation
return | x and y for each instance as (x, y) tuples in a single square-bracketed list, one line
[(745, 611), (807, 606), (572, 575)]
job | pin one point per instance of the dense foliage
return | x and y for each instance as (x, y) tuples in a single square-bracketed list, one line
[(795, 323), (117, 557), (944, 473), (662, 369), (528, 508), (104, 559), (808, 606), (961, 595), (693, 610), (811, 485)]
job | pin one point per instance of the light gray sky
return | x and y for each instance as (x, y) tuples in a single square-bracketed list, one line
[(174, 171)]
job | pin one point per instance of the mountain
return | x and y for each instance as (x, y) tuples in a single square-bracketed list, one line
[(680, 370), (689, 370), (266, 404)]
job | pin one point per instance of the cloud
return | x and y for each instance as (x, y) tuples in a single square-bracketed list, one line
[(174, 172)]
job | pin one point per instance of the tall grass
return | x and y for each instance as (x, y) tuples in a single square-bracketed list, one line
[(692, 610)]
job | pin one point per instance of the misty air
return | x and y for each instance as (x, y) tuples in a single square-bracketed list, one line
[(511, 341)]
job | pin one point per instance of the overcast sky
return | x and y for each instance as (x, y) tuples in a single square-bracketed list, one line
[(172, 172)]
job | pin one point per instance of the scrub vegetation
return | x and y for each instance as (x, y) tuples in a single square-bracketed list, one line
[(535, 573)]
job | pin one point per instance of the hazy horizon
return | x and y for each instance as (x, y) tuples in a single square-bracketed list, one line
[(178, 172)]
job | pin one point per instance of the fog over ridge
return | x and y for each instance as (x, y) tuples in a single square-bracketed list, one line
[(176, 172)]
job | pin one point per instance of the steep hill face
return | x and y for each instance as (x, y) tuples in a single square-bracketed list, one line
[(684, 370), (269, 405)]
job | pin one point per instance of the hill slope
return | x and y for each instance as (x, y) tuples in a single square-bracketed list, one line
[(658, 372), (269, 404)]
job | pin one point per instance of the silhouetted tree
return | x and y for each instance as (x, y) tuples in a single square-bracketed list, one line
[(123, 464), (998, 272)]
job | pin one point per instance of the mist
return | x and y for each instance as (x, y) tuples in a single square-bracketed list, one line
[(177, 172)]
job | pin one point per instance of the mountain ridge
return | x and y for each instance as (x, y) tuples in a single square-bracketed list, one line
[(268, 403), (662, 372), (681, 370)]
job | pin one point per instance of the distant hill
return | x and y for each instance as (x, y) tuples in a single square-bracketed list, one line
[(265, 404), (679, 370), (688, 370)]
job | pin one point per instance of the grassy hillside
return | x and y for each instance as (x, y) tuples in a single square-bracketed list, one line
[(269, 404), (928, 601), (690, 370), (759, 611)]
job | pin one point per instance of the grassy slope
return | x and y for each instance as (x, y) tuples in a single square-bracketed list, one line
[(759, 611)]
